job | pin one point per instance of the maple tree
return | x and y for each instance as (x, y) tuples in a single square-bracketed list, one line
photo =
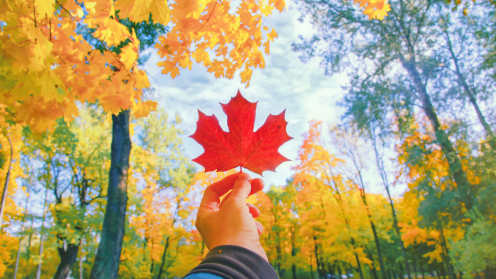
[(241, 146)]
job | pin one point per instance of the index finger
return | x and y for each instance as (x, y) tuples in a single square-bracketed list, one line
[(211, 197)]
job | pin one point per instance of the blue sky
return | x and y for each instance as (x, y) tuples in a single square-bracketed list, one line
[(284, 83)]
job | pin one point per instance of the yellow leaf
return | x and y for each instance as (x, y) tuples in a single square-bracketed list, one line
[(44, 7), (272, 35), (246, 76), (128, 56), (169, 67), (142, 109), (202, 56), (265, 9), (267, 47), (142, 80)]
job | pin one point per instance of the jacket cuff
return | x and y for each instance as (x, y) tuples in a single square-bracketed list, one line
[(235, 262)]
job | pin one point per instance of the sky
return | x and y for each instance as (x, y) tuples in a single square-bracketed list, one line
[(285, 83)]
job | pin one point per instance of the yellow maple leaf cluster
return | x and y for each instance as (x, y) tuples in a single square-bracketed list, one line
[(207, 32), (46, 65), (375, 9)]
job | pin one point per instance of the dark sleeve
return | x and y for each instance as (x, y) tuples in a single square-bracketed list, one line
[(235, 262)]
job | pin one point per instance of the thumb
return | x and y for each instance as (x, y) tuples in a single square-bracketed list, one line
[(241, 189)]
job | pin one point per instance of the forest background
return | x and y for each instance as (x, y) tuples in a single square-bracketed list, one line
[(398, 181)]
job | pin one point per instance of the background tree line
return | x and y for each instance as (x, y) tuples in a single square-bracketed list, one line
[(419, 112)]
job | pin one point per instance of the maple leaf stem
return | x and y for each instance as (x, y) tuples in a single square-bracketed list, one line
[(240, 169)]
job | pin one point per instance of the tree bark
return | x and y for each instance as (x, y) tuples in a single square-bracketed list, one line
[(81, 261), (109, 250), (382, 171), (164, 255), (455, 164), (6, 186), (372, 270), (293, 250), (470, 93), (67, 259), (311, 266), (374, 231), (38, 270), (20, 237), (339, 200)]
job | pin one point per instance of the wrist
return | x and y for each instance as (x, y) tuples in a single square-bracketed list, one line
[(253, 246)]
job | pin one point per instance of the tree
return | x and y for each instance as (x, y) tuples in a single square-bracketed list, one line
[(399, 42), (71, 160)]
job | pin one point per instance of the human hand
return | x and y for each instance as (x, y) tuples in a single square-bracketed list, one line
[(232, 221)]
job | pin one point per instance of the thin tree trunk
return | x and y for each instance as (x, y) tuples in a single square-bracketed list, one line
[(81, 261), (455, 164), (17, 259), (311, 266), (6, 186), (374, 273), (420, 263), (109, 250), (414, 267), (38, 271), (356, 161), (489, 272), (471, 94), (164, 255), (20, 237), (67, 259), (447, 259), (338, 198), (374, 231), (293, 250), (316, 251), (382, 171)]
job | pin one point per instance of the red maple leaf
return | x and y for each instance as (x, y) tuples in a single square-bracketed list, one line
[(240, 147)]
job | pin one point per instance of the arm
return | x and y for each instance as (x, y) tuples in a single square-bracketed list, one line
[(231, 233)]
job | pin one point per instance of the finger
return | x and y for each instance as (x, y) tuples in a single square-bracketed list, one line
[(259, 228), (254, 211), (211, 197), (225, 199), (257, 185), (241, 189)]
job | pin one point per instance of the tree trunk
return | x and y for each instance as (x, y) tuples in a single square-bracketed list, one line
[(420, 264), (311, 266), (359, 266), (382, 171), (20, 237), (5, 187), (67, 259), (447, 260), (164, 255), (489, 272), (374, 231), (455, 164), (293, 250), (109, 250), (339, 200), (374, 273), (81, 261), (38, 271), (316, 251), (471, 94)]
